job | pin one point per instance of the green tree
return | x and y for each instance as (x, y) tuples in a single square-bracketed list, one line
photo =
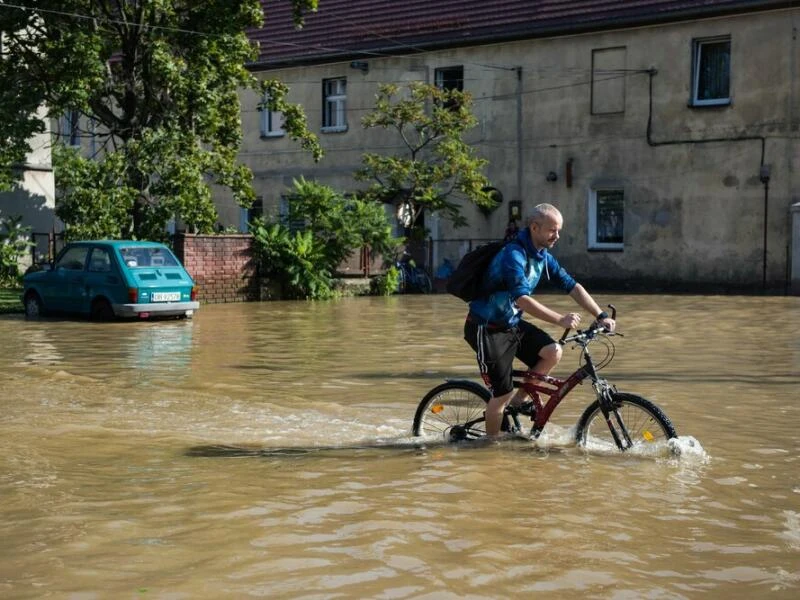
[(305, 262), (160, 81), (437, 168)]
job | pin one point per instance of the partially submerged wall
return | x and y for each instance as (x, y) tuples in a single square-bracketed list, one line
[(222, 266)]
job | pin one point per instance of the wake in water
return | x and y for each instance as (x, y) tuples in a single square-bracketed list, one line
[(685, 449)]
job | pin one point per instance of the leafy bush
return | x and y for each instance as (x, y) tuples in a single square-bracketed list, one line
[(292, 261), (304, 262), (386, 284), (14, 243)]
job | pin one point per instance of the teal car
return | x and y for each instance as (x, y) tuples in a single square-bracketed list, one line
[(107, 279)]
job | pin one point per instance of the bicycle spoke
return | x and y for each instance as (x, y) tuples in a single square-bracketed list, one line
[(634, 423), (452, 411)]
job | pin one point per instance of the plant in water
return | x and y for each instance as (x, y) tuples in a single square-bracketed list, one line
[(388, 283), (304, 259)]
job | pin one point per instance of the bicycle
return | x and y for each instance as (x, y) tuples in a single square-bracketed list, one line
[(454, 410), (412, 277)]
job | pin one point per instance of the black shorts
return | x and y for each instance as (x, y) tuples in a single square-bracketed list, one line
[(497, 348)]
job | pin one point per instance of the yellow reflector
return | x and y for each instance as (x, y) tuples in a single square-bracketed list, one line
[(437, 408), (647, 435)]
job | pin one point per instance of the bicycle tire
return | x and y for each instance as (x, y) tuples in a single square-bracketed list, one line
[(459, 404), (402, 280), (645, 422), (424, 282)]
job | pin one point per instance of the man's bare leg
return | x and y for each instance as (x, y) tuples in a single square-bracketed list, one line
[(549, 357), (494, 413)]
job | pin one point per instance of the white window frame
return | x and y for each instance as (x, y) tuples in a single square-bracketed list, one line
[(271, 121), (334, 104), (697, 51), (593, 242)]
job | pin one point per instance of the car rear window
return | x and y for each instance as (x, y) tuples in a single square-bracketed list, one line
[(148, 257)]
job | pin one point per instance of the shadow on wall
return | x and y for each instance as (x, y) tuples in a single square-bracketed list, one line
[(36, 209), (33, 199)]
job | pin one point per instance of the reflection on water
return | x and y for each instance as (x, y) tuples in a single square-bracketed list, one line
[(265, 450)]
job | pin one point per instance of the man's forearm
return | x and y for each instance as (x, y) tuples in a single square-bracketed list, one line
[(538, 310), (584, 300)]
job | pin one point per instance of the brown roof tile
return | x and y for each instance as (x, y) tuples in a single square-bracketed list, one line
[(345, 29)]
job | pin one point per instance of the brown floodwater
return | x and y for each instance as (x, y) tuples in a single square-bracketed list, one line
[(264, 450)]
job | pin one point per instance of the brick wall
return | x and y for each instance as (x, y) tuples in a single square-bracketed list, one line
[(222, 266)]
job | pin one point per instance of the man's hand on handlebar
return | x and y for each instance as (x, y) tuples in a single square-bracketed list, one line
[(570, 321), (608, 324)]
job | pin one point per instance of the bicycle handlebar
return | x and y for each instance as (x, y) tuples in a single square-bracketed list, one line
[(590, 333)]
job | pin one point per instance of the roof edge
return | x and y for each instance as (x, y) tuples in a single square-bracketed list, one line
[(564, 28)]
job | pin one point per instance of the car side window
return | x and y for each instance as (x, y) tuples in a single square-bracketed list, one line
[(100, 261), (73, 259)]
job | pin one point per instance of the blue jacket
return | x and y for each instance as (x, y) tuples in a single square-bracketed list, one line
[(512, 274)]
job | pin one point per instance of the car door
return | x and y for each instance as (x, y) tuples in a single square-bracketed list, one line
[(103, 279), (68, 291)]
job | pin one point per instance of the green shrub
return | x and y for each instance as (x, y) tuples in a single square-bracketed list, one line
[(386, 284), (292, 261), (304, 263), (14, 244)]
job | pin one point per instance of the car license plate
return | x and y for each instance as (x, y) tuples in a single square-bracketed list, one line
[(166, 296)]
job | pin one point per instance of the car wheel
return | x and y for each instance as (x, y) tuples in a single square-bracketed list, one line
[(101, 310), (33, 305)]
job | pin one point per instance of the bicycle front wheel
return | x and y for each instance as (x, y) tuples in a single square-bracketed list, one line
[(453, 411), (637, 423)]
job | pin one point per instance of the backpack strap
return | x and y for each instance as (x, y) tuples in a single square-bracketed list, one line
[(525, 252)]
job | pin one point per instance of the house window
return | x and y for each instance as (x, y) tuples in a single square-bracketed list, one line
[(248, 215), (606, 219), (334, 104), (285, 214), (450, 78), (69, 126), (271, 120), (711, 72)]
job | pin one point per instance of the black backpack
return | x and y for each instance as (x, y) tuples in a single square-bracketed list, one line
[(467, 279)]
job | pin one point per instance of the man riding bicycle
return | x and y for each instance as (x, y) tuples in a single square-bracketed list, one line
[(494, 327)]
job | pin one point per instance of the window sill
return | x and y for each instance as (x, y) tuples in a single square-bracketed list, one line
[(337, 129), (273, 134), (609, 248), (710, 104)]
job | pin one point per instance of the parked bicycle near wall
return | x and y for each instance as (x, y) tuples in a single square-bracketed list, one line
[(413, 279), (454, 410)]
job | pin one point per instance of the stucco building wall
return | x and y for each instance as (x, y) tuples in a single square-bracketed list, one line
[(694, 209), (34, 198)]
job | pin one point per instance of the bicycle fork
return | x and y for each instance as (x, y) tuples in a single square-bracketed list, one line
[(616, 425)]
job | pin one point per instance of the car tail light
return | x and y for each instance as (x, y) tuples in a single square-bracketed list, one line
[(133, 295), (194, 293)]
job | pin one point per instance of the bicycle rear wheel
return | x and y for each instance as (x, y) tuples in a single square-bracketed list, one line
[(452, 411), (641, 424), (423, 281)]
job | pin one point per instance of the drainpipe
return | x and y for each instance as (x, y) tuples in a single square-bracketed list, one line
[(519, 133), (764, 177)]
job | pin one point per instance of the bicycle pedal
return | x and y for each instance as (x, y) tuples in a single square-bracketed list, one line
[(526, 408)]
